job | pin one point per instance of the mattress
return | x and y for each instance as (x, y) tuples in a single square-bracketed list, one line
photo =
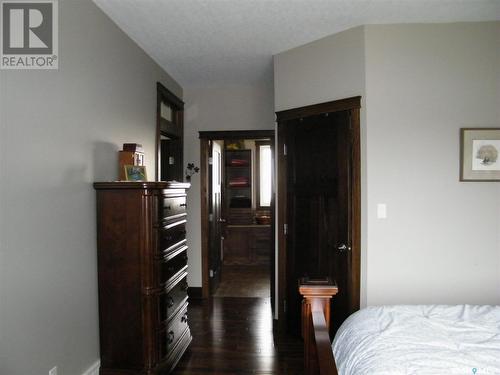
[(424, 340)]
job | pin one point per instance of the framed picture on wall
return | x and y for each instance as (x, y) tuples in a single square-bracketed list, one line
[(135, 173), (479, 154)]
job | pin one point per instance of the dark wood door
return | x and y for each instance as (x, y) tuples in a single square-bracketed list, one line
[(216, 218), (318, 208)]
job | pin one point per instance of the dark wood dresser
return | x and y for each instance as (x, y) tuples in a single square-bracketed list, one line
[(142, 270)]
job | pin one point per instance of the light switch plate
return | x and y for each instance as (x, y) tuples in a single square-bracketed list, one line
[(381, 211)]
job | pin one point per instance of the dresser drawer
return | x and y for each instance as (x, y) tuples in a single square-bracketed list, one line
[(171, 207), (169, 336), (172, 299), (173, 264), (171, 236), (177, 326)]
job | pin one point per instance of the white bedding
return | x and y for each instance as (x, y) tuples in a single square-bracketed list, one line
[(424, 340)]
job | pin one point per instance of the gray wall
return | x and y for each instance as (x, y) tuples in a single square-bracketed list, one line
[(440, 241), (420, 83), (60, 131), (218, 108), (324, 70)]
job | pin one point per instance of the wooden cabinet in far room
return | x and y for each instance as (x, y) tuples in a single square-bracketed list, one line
[(238, 189), (247, 244), (246, 241)]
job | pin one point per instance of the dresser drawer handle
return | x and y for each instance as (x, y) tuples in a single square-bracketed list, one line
[(170, 302), (183, 205), (171, 269), (184, 318), (171, 337)]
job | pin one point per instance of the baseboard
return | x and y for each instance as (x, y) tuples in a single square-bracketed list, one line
[(195, 292), (93, 370)]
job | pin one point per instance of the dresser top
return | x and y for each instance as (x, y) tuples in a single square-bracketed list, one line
[(141, 185)]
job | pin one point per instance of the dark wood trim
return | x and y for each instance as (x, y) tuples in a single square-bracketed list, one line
[(317, 109), (169, 96), (281, 212), (175, 128), (205, 230), (205, 138), (355, 211), (352, 105), (141, 185), (237, 134), (273, 229), (195, 292)]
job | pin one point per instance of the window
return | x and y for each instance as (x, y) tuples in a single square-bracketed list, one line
[(264, 160), (166, 111)]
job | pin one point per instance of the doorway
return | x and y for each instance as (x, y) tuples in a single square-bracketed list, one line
[(169, 135), (237, 213), (319, 206)]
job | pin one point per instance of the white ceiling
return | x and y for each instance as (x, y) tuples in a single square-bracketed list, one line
[(206, 42)]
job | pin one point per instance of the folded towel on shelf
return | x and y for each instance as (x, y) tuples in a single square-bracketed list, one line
[(238, 162), (239, 181)]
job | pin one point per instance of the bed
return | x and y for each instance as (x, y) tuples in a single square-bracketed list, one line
[(402, 340), (431, 340)]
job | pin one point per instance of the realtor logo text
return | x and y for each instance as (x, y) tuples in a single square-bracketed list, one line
[(29, 34)]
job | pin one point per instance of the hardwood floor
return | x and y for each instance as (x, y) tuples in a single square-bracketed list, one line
[(235, 336), (244, 281)]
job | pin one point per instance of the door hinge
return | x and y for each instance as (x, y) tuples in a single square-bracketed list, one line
[(210, 160), (211, 273), (285, 229), (284, 306), (284, 149)]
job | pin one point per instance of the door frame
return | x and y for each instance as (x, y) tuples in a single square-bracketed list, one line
[(353, 105), (205, 138), (173, 128)]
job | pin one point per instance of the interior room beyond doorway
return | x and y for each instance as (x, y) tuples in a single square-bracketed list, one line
[(240, 209)]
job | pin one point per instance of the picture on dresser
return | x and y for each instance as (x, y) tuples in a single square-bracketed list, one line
[(479, 149), (135, 173)]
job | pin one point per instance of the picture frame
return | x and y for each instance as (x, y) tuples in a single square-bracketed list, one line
[(135, 173), (480, 154)]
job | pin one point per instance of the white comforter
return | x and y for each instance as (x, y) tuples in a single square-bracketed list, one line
[(424, 340)]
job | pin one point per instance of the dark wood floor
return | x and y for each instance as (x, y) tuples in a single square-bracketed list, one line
[(235, 336), (244, 281)]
